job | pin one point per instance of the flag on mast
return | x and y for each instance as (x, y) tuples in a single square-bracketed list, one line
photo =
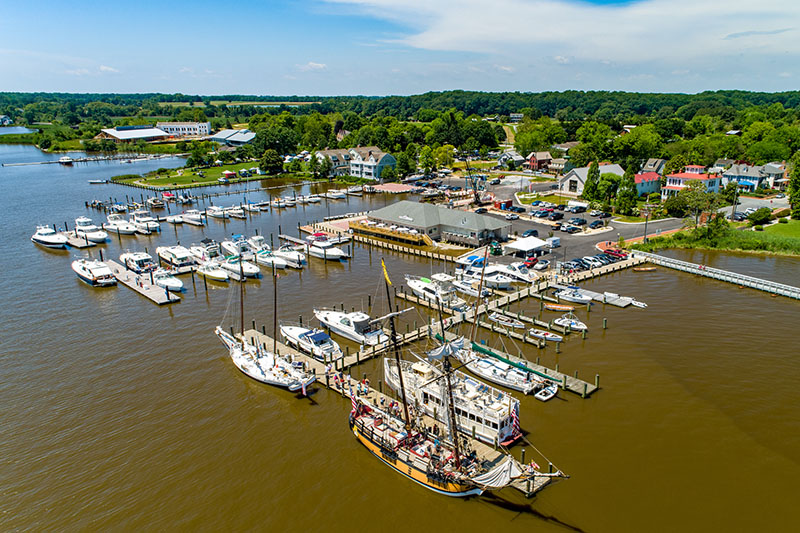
[(385, 273)]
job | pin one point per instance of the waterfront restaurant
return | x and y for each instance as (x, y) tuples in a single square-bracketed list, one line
[(441, 223)]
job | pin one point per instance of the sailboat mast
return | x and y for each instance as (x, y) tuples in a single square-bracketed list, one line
[(241, 289), (397, 354), (451, 413), (274, 310), (478, 301)]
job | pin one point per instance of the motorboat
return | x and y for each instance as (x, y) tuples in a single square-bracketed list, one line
[(238, 245), (546, 392), (207, 249), (492, 369), (95, 273), (470, 288), (279, 202), (86, 229), (573, 294), (193, 217), (336, 194), (155, 203), (506, 321), (559, 307), (251, 208), (176, 256), (313, 198), (265, 366), (570, 321), (313, 341), (212, 270), (481, 410), (185, 199), (289, 201), (237, 266), (235, 211), (493, 275), (546, 335), (637, 303), (267, 258), (356, 326), (164, 279), (49, 238), (143, 221), (118, 207), (216, 211), (175, 219), (139, 262), (116, 224), (321, 247), (293, 258), (437, 288), (518, 271)]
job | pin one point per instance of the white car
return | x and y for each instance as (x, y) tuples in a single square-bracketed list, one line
[(512, 216), (595, 262), (541, 264)]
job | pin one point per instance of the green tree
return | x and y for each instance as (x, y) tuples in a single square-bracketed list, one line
[(271, 162), (444, 155), (654, 198), (325, 167), (794, 186), (729, 192), (592, 181), (626, 193), (675, 164), (695, 195), (760, 216), (607, 186), (405, 166), (313, 166), (426, 159), (676, 206), (388, 174)]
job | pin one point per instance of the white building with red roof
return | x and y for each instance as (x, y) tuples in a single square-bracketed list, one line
[(679, 181)]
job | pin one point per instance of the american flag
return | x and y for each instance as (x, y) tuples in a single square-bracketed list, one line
[(304, 388), (353, 400), (515, 418)]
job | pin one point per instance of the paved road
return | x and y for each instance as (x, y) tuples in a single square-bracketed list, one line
[(745, 203)]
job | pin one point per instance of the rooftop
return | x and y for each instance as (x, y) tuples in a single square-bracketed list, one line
[(419, 215)]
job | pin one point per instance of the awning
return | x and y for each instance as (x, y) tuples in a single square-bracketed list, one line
[(525, 245)]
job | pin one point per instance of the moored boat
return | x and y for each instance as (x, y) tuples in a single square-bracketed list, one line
[(49, 238), (570, 321), (438, 288), (212, 270), (573, 294), (95, 273), (559, 307), (86, 229), (176, 256), (116, 224), (356, 326), (293, 258), (506, 320), (545, 335), (139, 262), (164, 279), (216, 211), (312, 341), (193, 217)]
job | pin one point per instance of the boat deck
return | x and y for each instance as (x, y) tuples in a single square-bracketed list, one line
[(141, 284)]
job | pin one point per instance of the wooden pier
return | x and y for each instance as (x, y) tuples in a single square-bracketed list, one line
[(77, 242), (141, 284)]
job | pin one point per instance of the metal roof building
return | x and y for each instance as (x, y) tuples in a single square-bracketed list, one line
[(132, 133)]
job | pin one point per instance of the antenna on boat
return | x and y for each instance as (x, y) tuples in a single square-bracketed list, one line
[(396, 348)]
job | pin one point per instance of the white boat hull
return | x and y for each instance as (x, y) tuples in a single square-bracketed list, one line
[(96, 236)]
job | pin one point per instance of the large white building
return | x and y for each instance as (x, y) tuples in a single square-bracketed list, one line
[(679, 181), (361, 162), (185, 129)]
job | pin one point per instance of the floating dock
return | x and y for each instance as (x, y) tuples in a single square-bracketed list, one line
[(141, 284), (77, 242)]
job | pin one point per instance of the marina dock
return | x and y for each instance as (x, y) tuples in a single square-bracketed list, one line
[(77, 242), (141, 284)]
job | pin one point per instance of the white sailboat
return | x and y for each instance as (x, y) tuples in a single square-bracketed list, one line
[(356, 326), (49, 238)]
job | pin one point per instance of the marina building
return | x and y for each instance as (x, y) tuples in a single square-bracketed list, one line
[(132, 134), (185, 129), (362, 161), (233, 137), (440, 223)]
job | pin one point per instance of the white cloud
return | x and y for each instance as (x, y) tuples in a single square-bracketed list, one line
[(561, 60), (77, 72), (785, 74), (312, 66), (106, 68), (504, 68)]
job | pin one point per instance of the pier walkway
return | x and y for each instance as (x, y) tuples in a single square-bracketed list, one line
[(141, 284), (722, 275)]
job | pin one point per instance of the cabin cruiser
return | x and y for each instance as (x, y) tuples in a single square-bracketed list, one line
[(518, 271), (278, 202), (174, 219), (143, 221), (95, 273), (193, 217), (176, 256), (573, 294), (238, 245), (569, 320), (216, 211), (155, 203), (164, 279), (238, 266), (116, 224), (267, 258), (235, 211), (320, 246), (49, 238), (313, 341), (205, 251), (86, 229), (212, 270), (493, 275), (293, 258), (355, 326), (139, 262), (470, 288), (438, 288), (336, 194)]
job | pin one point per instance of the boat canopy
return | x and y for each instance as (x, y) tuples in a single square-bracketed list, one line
[(317, 337)]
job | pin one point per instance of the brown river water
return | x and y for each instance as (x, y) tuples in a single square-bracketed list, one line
[(119, 414)]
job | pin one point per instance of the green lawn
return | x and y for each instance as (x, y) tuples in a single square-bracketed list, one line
[(183, 177), (554, 198), (792, 229)]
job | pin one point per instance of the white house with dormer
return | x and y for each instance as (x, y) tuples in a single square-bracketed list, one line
[(362, 161)]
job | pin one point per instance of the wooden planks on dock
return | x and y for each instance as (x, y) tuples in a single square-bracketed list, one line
[(76, 241), (141, 284)]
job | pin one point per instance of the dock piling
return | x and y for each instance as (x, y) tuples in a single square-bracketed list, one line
[(605, 323)]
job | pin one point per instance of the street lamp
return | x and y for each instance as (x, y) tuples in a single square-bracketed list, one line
[(646, 210)]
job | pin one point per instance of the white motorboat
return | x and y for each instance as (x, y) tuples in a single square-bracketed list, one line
[(569, 320), (470, 288), (144, 221), (278, 202), (116, 224), (321, 247), (546, 335), (175, 219), (546, 392), (155, 203), (267, 258), (237, 266), (573, 294), (293, 258), (355, 326), (519, 272), (289, 201), (492, 369), (235, 211), (481, 410), (251, 208), (493, 275), (119, 208), (95, 273), (265, 366), (258, 243), (212, 270), (336, 194), (238, 245), (506, 320), (193, 217), (164, 279), (439, 288), (637, 303), (207, 249), (139, 262), (86, 229), (313, 198), (313, 341), (216, 211), (176, 256), (49, 238)]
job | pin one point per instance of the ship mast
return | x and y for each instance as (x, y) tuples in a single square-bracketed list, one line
[(451, 412), (396, 348), (478, 301), (241, 290)]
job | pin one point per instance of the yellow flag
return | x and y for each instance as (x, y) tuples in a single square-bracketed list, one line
[(385, 274)]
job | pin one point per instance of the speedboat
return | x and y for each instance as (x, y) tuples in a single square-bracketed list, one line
[(144, 222), (49, 238), (437, 288), (116, 224), (251, 208), (238, 245), (212, 270), (216, 211), (267, 258), (237, 266), (570, 321), (265, 366), (164, 279), (573, 294), (175, 219), (207, 249), (95, 273), (176, 256), (506, 321), (547, 391), (193, 217), (289, 202), (313, 198), (155, 203), (519, 272), (470, 288), (335, 194), (278, 202), (493, 276), (355, 326), (492, 369), (637, 303), (257, 243), (139, 262), (292, 257), (320, 246), (235, 211), (86, 229), (313, 341), (546, 335)]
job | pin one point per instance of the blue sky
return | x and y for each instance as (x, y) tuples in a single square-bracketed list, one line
[(379, 47)]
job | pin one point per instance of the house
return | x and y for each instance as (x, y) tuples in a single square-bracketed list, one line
[(777, 175), (185, 129), (678, 182), (5, 120), (560, 165), (749, 177), (647, 183), (362, 162), (565, 147), (511, 156), (574, 180), (442, 223), (654, 165), (132, 134), (233, 137), (538, 160), (341, 134), (516, 117)]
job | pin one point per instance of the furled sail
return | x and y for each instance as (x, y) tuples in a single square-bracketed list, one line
[(448, 348), (499, 476)]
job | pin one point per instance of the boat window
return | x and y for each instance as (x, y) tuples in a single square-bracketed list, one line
[(345, 321)]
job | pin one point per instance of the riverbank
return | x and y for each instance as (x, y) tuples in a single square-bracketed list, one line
[(724, 238)]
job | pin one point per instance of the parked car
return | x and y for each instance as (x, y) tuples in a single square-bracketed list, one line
[(596, 224), (541, 264), (531, 233), (571, 229), (512, 216), (604, 215), (541, 213), (595, 213), (780, 195), (561, 207), (555, 215), (517, 209), (616, 253), (536, 203), (593, 261), (739, 216), (579, 221), (481, 211), (495, 181), (531, 262)]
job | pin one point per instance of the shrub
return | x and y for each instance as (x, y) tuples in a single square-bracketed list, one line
[(783, 221), (760, 216), (758, 228)]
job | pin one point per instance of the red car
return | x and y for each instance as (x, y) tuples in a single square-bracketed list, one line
[(529, 262), (616, 253)]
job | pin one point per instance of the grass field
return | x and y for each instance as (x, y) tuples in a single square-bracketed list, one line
[(184, 176), (792, 229)]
